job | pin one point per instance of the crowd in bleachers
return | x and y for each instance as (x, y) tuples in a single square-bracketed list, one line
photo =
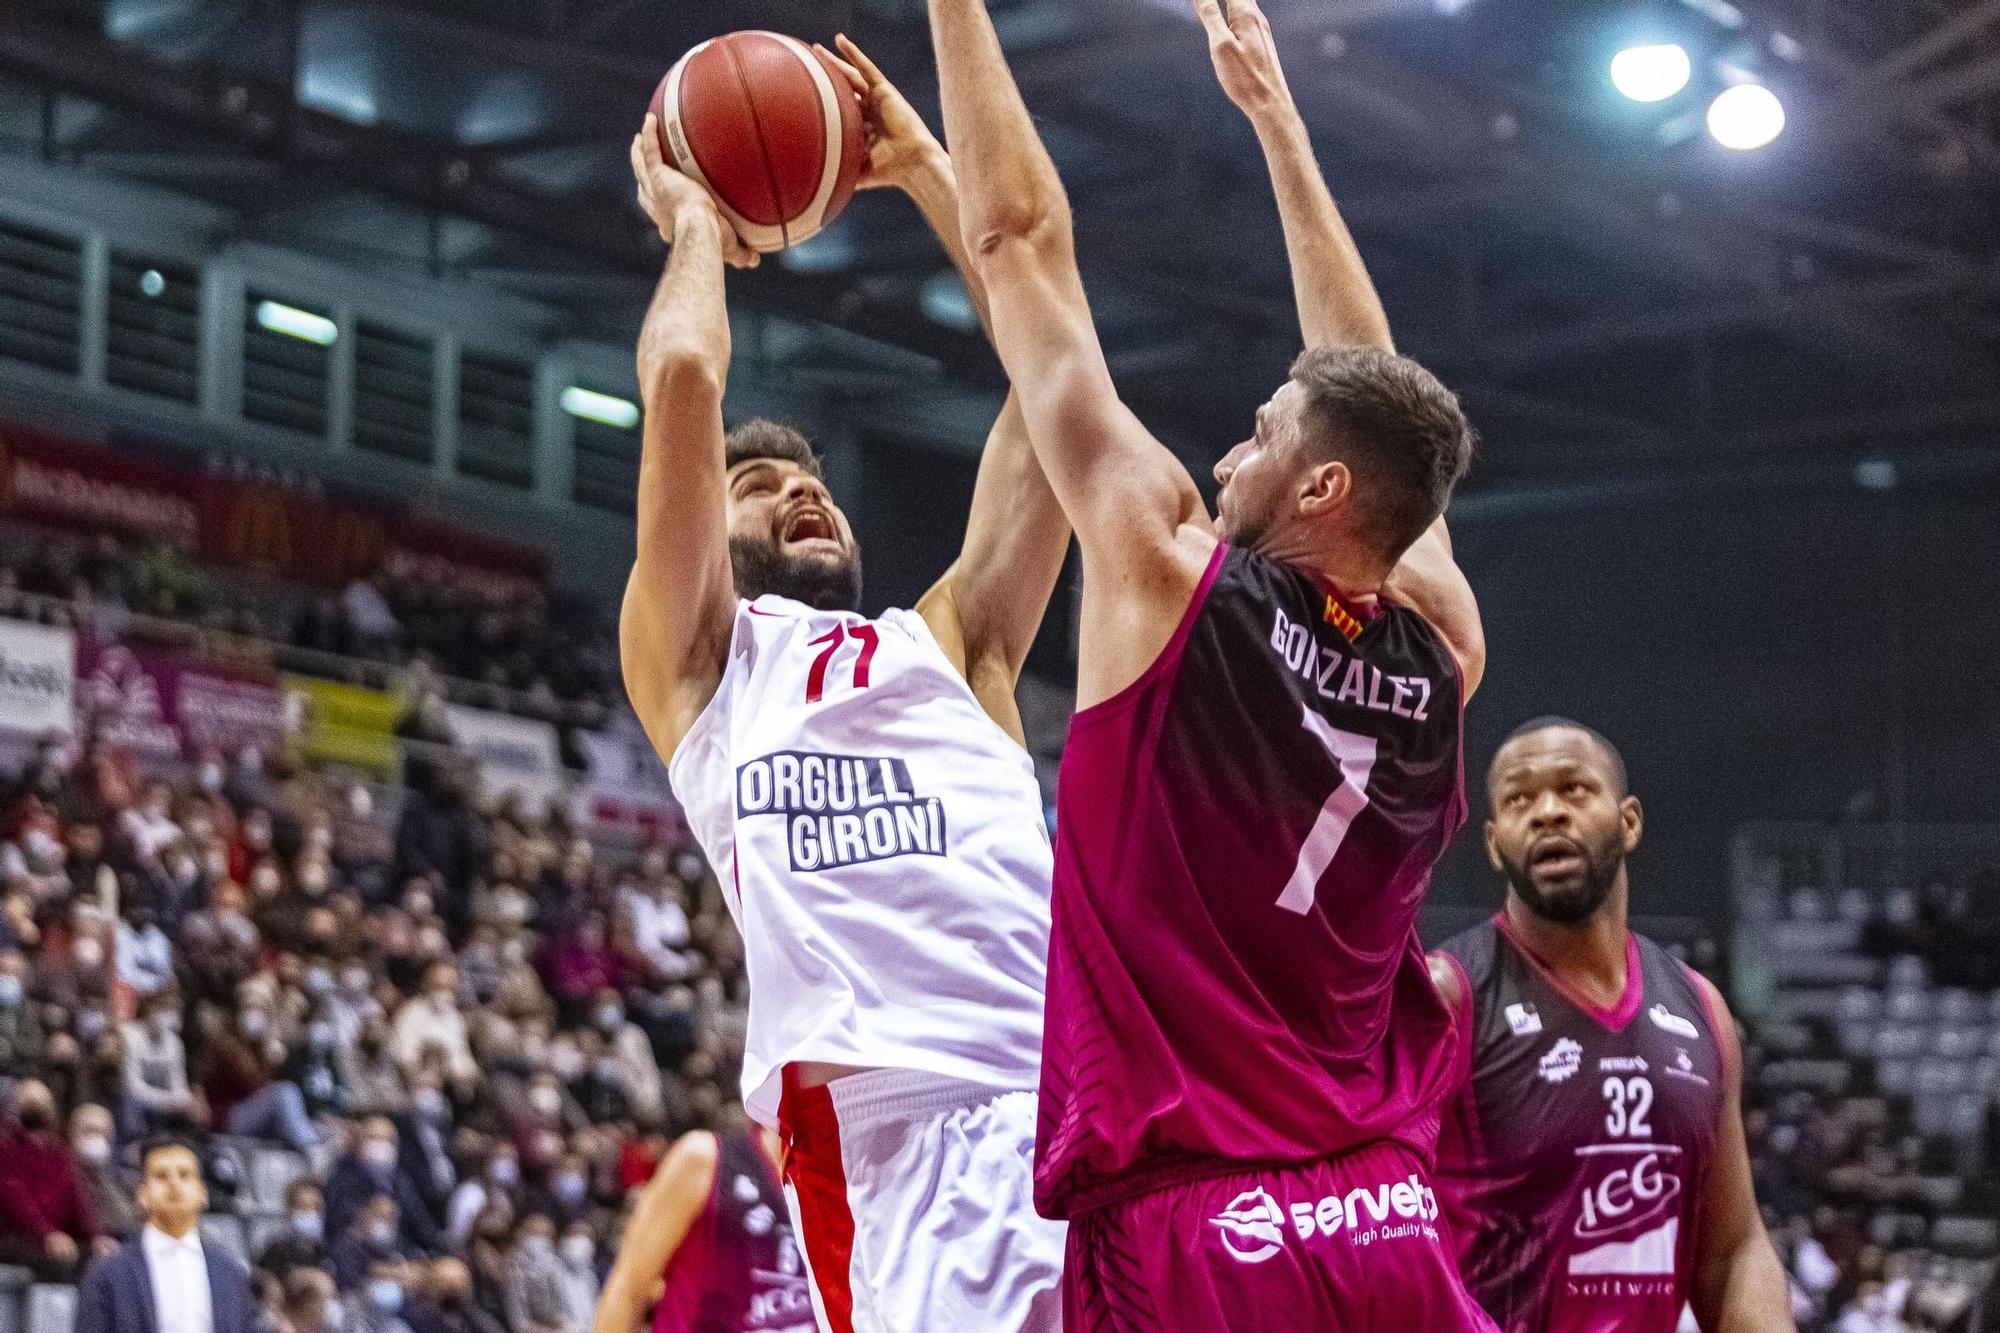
[(1873, 1107), (426, 1050)]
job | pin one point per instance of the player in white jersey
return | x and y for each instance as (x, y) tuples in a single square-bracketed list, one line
[(863, 792)]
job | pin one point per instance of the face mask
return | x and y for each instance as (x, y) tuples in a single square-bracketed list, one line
[(10, 990), (514, 953), (610, 1018), (355, 980), (360, 803), (335, 1316), (309, 1225), (379, 1153), (211, 777), (506, 1173), (545, 1100), (385, 1295), (578, 1251), (381, 1235), (569, 1187), (536, 1247), (318, 981), (319, 837), (42, 846), (89, 953), (217, 863), (430, 1103), (255, 1025), (265, 881), (321, 1036), (166, 1020), (418, 905), (564, 1061), (94, 1149), (89, 1023), (688, 867), (313, 882)]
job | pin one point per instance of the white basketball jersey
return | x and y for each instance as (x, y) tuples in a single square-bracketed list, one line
[(882, 846)]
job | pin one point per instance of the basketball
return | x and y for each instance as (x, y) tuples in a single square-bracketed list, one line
[(770, 128)]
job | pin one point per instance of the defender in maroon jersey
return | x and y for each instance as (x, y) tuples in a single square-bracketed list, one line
[(1244, 1057), (712, 1236), (1592, 1166)]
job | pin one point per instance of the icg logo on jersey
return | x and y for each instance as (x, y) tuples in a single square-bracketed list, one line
[(842, 810)]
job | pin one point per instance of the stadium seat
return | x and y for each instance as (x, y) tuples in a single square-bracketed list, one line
[(272, 1171), (1857, 1037), (1910, 1005), (226, 1233), (1972, 1237), (1860, 1003), (1908, 972), (1806, 905), (1957, 1006), (1856, 905), (261, 1231), (1895, 1077), (14, 1284), (51, 1309)]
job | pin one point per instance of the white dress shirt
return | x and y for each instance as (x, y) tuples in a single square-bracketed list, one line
[(179, 1272)]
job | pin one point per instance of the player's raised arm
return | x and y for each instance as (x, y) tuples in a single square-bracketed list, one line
[(987, 607), (1337, 302), (673, 630), (1739, 1285), (666, 1211)]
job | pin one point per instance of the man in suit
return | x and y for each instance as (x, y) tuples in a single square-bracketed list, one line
[(167, 1281)]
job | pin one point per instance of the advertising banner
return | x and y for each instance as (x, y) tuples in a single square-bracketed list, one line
[(515, 754), (153, 703), (37, 678), (346, 724)]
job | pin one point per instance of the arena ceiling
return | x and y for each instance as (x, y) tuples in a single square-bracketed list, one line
[(1612, 291)]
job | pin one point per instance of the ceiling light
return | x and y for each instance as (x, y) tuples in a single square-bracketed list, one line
[(296, 323), (1651, 73), (151, 283), (1746, 117), (618, 413)]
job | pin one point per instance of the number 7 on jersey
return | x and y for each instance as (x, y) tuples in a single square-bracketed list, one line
[(1356, 757)]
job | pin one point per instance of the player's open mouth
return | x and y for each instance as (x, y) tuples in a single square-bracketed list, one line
[(1557, 858), (807, 523)]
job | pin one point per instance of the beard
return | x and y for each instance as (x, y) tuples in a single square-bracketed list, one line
[(1575, 902), (762, 567)]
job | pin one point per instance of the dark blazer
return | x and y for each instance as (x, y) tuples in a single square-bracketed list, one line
[(117, 1294)]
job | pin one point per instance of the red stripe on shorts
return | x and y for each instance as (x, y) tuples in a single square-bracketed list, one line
[(813, 1168)]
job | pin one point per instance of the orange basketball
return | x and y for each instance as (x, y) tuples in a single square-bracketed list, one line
[(770, 127)]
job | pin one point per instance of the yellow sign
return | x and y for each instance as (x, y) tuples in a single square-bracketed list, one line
[(346, 724)]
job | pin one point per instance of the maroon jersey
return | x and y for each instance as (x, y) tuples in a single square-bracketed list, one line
[(1243, 838), (1576, 1154), (738, 1271)]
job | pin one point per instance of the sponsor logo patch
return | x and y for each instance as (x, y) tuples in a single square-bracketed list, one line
[(1562, 1061), (1523, 1019), (1668, 1021), (1252, 1227), (1622, 1064)]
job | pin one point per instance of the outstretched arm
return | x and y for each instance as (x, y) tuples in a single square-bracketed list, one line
[(987, 607), (665, 1213), (1137, 513), (1739, 1285), (673, 630), (1337, 302)]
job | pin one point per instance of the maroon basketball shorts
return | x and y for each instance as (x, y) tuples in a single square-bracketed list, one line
[(1348, 1244)]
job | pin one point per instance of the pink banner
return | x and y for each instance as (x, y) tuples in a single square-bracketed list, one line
[(154, 704)]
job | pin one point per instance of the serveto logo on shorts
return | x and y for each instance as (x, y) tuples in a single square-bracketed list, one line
[(843, 809), (1252, 1226)]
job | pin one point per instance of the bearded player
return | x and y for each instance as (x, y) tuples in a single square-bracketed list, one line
[(862, 790), (1245, 1057), (1592, 1166)]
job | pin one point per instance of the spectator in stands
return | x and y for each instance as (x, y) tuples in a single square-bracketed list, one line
[(425, 1131), (628, 1051), (497, 1181), (578, 1252), (448, 1305), (374, 1079), (143, 954), (46, 1222), (156, 1092), (434, 1021), (91, 1139), (375, 1235), (372, 628), (373, 1168), (170, 1282), (656, 915), (303, 1242), (240, 1082), (580, 963), (537, 1285), (22, 1042), (312, 1303), (381, 1305), (220, 946)]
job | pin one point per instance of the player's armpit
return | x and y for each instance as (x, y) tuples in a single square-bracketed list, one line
[(1429, 582)]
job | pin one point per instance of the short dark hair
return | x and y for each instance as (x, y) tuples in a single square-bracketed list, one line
[(1555, 722), (760, 437), (1401, 432), (163, 1143)]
